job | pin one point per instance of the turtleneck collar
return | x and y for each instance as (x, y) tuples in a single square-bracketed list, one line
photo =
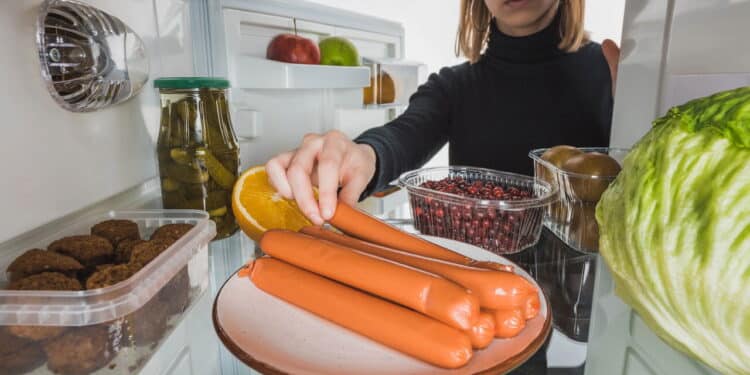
[(534, 48)]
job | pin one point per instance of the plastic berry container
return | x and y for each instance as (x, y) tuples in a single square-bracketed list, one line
[(573, 218), (502, 226)]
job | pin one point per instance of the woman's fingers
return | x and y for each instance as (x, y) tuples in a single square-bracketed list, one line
[(276, 170), (327, 161), (330, 160), (358, 170), (353, 188), (299, 172), (612, 55)]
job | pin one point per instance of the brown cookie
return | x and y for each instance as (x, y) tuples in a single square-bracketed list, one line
[(89, 250), (36, 261), (124, 249), (145, 252), (171, 232), (17, 355), (111, 275), (176, 294), (42, 281), (79, 351), (116, 230), (36, 333), (149, 323), (46, 281)]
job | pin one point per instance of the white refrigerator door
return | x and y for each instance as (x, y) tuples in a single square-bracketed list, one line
[(57, 162), (672, 51)]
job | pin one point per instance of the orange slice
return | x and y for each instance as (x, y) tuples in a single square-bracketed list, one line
[(258, 207)]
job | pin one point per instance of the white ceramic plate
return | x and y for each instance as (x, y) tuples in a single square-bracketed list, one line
[(274, 337)]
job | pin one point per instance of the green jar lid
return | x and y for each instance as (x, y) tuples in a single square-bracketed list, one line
[(191, 83)]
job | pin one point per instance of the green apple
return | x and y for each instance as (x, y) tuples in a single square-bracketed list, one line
[(340, 51)]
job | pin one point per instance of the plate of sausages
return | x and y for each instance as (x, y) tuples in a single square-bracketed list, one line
[(377, 300)]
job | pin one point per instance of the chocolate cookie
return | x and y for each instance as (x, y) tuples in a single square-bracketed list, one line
[(42, 281), (36, 261), (89, 250), (171, 232), (79, 351), (111, 275), (145, 252), (18, 355), (46, 281), (124, 249), (116, 230)]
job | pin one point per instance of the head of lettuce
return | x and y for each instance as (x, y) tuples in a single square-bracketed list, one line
[(675, 229)]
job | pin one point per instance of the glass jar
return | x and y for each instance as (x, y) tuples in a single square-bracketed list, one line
[(199, 158)]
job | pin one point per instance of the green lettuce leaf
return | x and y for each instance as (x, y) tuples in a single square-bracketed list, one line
[(675, 229)]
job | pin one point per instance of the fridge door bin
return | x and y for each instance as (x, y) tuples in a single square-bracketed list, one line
[(259, 73)]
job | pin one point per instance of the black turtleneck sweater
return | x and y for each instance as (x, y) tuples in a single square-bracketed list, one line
[(523, 93)]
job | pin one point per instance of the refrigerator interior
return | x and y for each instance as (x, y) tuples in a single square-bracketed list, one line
[(672, 51), (70, 164)]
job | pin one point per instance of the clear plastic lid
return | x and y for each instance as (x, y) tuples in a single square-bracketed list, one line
[(544, 193)]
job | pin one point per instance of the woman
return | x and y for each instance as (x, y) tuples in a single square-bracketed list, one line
[(538, 83)]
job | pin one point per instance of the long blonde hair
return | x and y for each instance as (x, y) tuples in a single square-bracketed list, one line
[(474, 27)]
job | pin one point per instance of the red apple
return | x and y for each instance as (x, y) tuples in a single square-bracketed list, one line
[(293, 49)]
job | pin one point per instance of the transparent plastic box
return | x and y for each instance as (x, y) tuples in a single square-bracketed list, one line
[(567, 276), (500, 226), (111, 330), (573, 217), (391, 81)]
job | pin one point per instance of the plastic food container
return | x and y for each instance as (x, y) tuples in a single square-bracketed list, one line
[(573, 217), (391, 81), (112, 330), (500, 226)]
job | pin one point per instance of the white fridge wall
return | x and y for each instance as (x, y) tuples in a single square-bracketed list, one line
[(56, 161)]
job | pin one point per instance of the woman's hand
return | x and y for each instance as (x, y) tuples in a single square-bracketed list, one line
[(612, 55), (330, 161)]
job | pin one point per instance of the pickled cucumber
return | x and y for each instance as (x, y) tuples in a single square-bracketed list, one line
[(221, 211), (187, 173), (186, 157), (218, 172), (169, 185)]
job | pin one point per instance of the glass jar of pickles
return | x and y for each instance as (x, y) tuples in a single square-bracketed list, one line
[(199, 158)]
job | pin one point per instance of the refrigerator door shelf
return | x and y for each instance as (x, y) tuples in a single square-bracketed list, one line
[(260, 73)]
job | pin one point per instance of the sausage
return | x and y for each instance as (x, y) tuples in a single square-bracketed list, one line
[(466, 261), (394, 326), (433, 296), (494, 289), (482, 333), (508, 323), (363, 226), (531, 307)]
